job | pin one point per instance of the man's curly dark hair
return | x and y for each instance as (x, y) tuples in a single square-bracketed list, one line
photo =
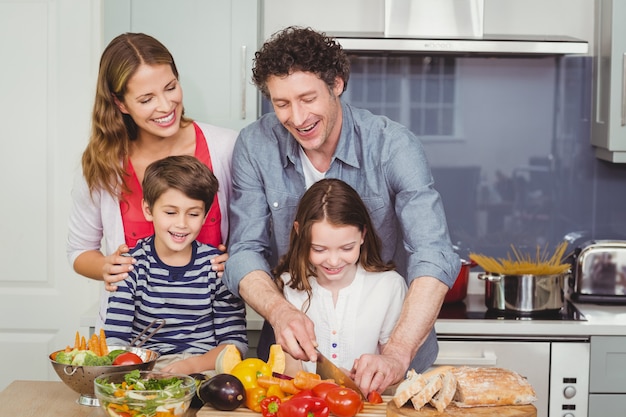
[(300, 49)]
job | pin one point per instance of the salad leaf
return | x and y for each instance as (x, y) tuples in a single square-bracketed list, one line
[(95, 360)]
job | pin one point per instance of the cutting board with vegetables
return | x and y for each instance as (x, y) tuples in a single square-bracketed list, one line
[(370, 410), (454, 411), (388, 408)]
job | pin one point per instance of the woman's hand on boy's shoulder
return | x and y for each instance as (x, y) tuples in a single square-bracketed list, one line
[(116, 267), (219, 261)]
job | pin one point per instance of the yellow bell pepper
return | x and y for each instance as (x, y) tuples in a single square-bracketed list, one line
[(248, 370)]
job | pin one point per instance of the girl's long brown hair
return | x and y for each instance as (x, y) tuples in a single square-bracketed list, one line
[(340, 205), (111, 130)]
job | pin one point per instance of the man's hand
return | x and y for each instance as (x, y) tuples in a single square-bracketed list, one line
[(294, 332), (377, 372), (116, 267)]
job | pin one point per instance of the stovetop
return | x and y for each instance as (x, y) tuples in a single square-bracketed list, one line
[(474, 308)]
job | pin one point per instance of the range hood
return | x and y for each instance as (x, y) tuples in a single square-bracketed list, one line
[(453, 26)]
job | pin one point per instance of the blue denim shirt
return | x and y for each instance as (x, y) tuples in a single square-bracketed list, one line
[(381, 159)]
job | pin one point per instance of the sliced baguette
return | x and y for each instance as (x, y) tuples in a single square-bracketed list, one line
[(445, 395), (413, 384), (426, 394)]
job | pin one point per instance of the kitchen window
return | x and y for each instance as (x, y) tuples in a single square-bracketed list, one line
[(418, 91)]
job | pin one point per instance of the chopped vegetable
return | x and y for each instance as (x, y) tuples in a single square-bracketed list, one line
[(344, 402), (249, 370), (374, 398), (93, 352), (304, 404), (167, 398), (270, 406), (95, 360), (254, 396), (102, 340)]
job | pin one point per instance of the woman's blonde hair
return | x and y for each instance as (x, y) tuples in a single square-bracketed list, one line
[(111, 130)]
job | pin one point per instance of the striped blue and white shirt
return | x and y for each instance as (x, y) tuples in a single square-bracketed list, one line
[(200, 313)]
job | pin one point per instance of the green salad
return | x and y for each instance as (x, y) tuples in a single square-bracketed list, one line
[(138, 396)]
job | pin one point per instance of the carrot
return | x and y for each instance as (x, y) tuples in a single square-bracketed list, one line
[(83, 343), (286, 385), (104, 350), (92, 344), (77, 340), (306, 380), (266, 381)]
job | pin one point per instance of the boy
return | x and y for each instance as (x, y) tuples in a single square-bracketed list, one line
[(173, 278)]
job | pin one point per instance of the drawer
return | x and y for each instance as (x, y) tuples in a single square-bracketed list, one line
[(607, 405), (608, 362)]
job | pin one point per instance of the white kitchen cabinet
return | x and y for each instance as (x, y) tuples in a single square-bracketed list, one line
[(607, 380), (213, 43), (608, 128)]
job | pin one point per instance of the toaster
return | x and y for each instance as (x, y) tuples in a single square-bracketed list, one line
[(599, 272)]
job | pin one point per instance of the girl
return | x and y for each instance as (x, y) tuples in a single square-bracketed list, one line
[(138, 118), (333, 271)]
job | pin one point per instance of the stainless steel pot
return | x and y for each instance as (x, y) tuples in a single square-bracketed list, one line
[(524, 293)]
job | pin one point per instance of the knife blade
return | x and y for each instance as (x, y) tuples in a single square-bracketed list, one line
[(328, 370)]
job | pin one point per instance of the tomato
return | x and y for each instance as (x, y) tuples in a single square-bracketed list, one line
[(344, 402), (321, 390), (374, 398), (127, 358)]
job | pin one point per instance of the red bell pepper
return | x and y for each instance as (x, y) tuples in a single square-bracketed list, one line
[(270, 406), (304, 404)]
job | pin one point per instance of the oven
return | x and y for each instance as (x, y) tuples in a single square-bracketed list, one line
[(556, 366)]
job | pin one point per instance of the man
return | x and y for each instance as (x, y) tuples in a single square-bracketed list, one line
[(313, 135)]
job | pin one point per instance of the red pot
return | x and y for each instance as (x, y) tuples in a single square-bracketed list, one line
[(458, 292)]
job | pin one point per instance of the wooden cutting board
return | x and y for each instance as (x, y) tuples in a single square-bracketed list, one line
[(369, 410), (388, 408), (454, 411)]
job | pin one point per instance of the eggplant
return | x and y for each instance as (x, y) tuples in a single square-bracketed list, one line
[(196, 402), (223, 392)]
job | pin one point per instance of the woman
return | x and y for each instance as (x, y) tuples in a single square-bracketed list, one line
[(138, 118)]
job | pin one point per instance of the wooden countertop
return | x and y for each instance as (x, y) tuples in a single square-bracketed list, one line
[(55, 399), (43, 399)]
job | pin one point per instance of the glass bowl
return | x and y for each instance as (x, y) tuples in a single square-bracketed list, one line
[(145, 393)]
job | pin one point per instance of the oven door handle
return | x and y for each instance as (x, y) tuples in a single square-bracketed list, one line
[(488, 358)]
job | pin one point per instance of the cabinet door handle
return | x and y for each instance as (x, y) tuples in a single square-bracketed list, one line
[(624, 90), (243, 82), (599, 64), (488, 358)]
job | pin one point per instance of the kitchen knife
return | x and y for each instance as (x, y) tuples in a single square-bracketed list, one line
[(327, 370)]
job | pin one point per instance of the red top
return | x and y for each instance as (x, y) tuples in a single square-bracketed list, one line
[(135, 224)]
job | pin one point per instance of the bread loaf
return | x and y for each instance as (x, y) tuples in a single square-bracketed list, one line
[(413, 384), (426, 394), (490, 387), (445, 395)]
